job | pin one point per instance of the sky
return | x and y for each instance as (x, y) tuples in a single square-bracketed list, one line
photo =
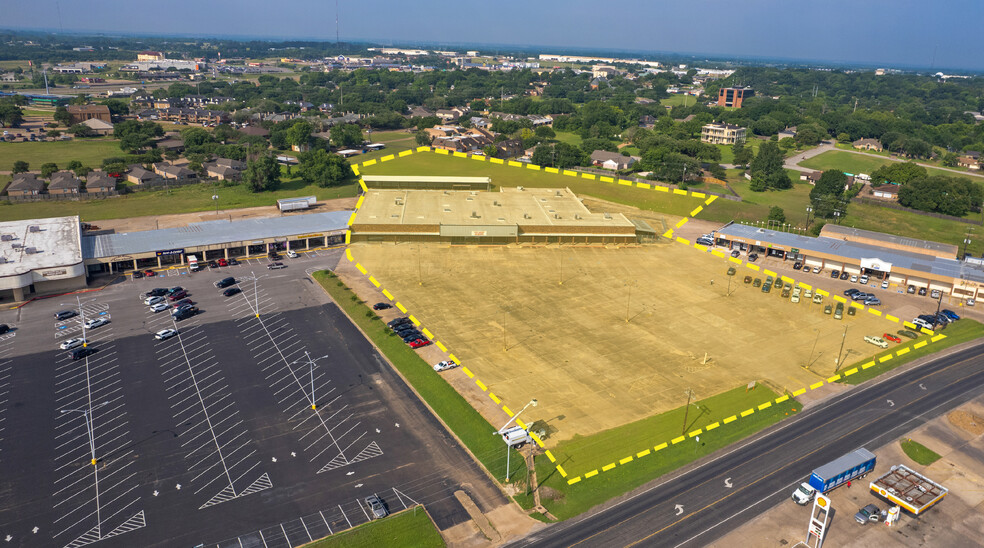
[(890, 33)]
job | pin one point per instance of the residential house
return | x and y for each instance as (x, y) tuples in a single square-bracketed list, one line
[(479, 122), (305, 105), (647, 121), (64, 182), (222, 172), (867, 144), (174, 173), (810, 176), (255, 130), (193, 115), (81, 113), (176, 145), (973, 154), (888, 192), (722, 134), (538, 120), (451, 114), (969, 163), (612, 160), (789, 132), (463, 140), (228, 162), (25, 184), (510, 148), (421, 112), (140, 176), (99, 181), (98, 126)]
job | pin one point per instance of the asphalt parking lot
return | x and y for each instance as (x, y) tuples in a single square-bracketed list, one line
[(264, 422)]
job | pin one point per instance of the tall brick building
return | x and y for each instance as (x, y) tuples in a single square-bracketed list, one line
[(732, 97)]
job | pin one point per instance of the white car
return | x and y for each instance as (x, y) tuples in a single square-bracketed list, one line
[(159, 307), (854, 279), (445, 365), (291, 253), (884, 284), (71, 343), (96, 322), (817, 269), (864, 279), (165, 334), (151, 301), (877, 341)]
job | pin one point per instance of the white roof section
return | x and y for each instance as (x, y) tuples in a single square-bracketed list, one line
[(38, 244), (212, 233), (423, 179)]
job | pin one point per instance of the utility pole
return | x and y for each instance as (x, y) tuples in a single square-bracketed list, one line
[(815, 341), (628, 302), (686, 410), (843, 339)]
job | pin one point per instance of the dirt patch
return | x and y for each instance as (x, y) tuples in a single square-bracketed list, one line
[(551, 494), (967, 421)]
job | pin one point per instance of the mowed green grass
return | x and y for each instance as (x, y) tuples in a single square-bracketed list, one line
[(583, 454), (958, 332), (184, 199), (918, 452), (507, 176), (858, 163), (409, 529), (91, 152), (679, 100)]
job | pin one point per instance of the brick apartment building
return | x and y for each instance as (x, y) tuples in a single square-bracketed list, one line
[(732, 97)]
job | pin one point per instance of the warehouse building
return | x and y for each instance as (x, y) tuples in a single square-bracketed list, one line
[(911, 263), (423, 182), (40, 256), (512, 215)]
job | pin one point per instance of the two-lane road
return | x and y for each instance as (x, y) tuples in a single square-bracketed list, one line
[(703, 504)]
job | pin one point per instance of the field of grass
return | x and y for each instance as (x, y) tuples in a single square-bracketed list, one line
[(47, 114), (918, 452), (502, 175), (728, 157), (179, 200), (958, 332), (568, 137), (859, 163), (566, 501), (679, 99), (470, 427), (410, 529), (91, 152)]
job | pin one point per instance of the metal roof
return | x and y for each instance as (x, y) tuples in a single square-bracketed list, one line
[(918, 262), (851, 460), (889, 238), (211, 233)]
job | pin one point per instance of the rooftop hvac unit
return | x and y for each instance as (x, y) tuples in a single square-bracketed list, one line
[(527, 216), (520, 188), (558, 193), (496, 203), (34, 228), (556, 215), (31, 250), (3, 260), (608, 215), (16, 246), (6, 238), (576, 216), (474, 215)]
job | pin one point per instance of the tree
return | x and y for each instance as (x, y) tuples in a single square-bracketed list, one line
[(10, 114), (899, 173), (767, 168), (73, 165), (117, 107), (81, 130), (262, 174), (346, 135), (62, 116), (117, 166), (743, 155), (195, 137), (831, 183), (545, 132), (543, 155), (299, 134), (81, 170), (949, 159), (490, 150), (777, 214), (323, 168), (20, 166), (48, 168), (422, 138)]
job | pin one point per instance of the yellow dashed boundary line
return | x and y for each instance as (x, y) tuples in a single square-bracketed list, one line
[(707, 200)]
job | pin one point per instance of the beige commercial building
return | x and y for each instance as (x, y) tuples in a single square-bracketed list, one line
[(722, 134), (511, 215)]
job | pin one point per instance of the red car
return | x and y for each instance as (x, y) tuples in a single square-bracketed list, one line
[(178, 296), (419, 343), (149, 273), (892, 338), (223, 262)]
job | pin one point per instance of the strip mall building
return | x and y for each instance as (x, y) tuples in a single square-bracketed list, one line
[(903, 261)]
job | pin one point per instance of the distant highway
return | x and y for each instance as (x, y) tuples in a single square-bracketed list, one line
[(741, 482)]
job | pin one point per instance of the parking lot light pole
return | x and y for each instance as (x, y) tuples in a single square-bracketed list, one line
[(307, 358), (966, 243), (87, 413), (78, 303), (499, 432)]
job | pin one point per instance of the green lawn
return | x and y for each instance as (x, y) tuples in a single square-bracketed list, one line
[(179, 200), (410, 529), (679, 99), (859, 163), (958, 332), (583, 454), (36, 112), (568, 137), (728, 157), (470, 427), (90, 152), (918, 452), (503, 175)]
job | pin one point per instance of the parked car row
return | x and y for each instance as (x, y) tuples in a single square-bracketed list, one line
[(406, 330)]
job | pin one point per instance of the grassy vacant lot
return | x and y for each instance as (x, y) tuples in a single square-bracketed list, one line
[(411, 529), (503, 175), (956, 333), (90, 152), (918, 452), (179, 200), (504, 312), (679, 99), (905, 223), (859, 163), (568, 137), (583, 454), (462, 418)]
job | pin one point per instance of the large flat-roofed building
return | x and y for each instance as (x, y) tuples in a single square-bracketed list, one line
[(903, 261), (733, 97), (424, 182), (722, 134), (40, 256), (512, 215)]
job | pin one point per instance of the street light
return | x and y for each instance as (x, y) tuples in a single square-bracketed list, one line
[(837, 214), (78, 303), (215, 198), (500, 431), (808, 211), (87, 413), (307, 356), (966, 243)]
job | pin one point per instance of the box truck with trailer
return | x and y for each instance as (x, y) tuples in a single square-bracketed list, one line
[(851, 466)]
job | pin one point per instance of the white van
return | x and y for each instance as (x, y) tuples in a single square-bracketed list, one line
[(922, 323), (877, 341)]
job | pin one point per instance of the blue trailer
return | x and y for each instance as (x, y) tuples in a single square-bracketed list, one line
[(851, 466)]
